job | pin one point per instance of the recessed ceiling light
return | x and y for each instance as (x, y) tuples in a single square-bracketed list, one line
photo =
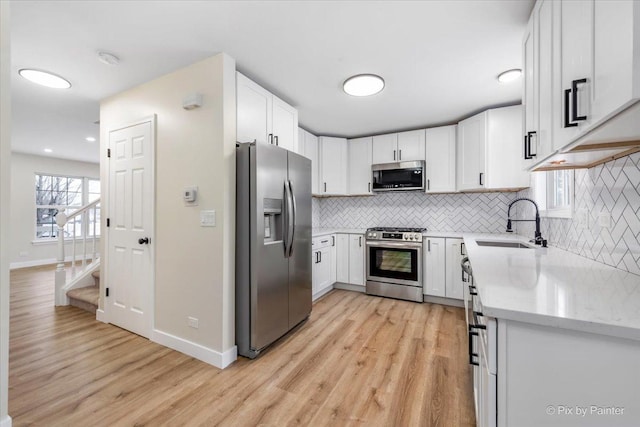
[(509, 75), (363, 85), (90, 139), (44, 78), (108, 58), (48, 150)]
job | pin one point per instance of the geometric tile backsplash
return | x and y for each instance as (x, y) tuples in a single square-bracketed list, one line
[(612, 187), (472, 212)]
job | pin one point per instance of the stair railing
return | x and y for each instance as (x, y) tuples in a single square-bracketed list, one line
[(84, 232)]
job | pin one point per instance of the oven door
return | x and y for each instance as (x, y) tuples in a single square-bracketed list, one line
[(392, 262)]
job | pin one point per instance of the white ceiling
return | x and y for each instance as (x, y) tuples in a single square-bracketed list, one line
[(439, 59)]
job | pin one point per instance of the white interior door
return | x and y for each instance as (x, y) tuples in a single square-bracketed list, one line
[(129, 303)]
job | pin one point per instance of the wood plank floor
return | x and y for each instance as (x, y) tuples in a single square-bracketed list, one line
[(358, 361)]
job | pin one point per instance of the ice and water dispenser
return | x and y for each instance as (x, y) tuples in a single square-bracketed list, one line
[(272, 220)]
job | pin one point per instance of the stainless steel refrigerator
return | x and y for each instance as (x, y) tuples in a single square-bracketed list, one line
[(273, 244)]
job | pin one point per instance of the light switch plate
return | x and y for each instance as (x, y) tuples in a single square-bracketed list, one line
[(208, 218), (604, 220)]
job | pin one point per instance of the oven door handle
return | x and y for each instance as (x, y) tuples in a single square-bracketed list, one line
[(400, 245)]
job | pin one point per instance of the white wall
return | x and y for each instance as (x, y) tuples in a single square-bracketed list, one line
[(195, 270), (5, 156), (23, 214)]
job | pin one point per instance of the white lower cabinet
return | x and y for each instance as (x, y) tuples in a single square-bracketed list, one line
[(350, 253), (442, 271), (321, 257)]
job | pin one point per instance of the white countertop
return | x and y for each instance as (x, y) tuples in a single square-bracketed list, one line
[(552, 287), (316, 232)]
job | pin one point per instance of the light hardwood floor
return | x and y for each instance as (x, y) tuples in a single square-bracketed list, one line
[(358, 360)]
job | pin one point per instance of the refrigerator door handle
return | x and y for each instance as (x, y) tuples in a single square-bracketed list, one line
[(286, 219), (292, 218)]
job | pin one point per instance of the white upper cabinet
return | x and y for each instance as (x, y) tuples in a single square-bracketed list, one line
[(440, 154), (489, 149), (398, 147), (333, 166), (308, 147), (385, 148), (582, 68), (263, 117), (411, 145), (359, 166)]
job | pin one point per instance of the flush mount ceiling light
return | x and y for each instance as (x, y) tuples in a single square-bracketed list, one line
[(44, 78), (90, 139), (108, 58), (509, 75), (363, 85)]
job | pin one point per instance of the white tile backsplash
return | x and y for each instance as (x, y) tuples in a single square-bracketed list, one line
[(613, 188), (472, 212)]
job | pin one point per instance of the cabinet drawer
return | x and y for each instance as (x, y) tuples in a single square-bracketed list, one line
[(323, 241)]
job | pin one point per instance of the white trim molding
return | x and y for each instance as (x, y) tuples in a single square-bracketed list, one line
[(200, 352), (101, 316), (6, 422)]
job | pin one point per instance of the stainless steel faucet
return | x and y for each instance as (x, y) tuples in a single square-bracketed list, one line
[(538, 240)]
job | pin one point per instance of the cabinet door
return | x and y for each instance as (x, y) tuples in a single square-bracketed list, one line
[(315, 271), (342, 258), (253, 111), (434, 267), (334, 259), (411, 145), (385, 148), (441, 159), (454, 285), (285, 125), (575, 63), (359, 167), (333, 165), (529, 97), (471, 152), (503, 149), (301, 147), (311, 152), (356, 259), (543, 139), (324, 268)]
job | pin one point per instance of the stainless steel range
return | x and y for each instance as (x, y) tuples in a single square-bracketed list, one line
[(394, 262)]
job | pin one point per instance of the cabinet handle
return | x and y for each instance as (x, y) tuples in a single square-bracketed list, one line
[(527, 156), (320, 257), (324, 241), (369, 187), (481, 178), (276, 139), (567, 122), (462, 275), (574, 99), (462, 248), (271, 138), (394, 154), (399, 154), (360, 241), (529, 135), (325, 187), (333, 240), (471, 353), (428, 245), (428, 184)]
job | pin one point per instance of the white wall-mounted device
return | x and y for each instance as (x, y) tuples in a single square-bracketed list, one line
[(190, 196), (192, 101)]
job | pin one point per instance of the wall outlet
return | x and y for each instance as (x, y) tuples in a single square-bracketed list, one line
[(193, 322), (604, 220)]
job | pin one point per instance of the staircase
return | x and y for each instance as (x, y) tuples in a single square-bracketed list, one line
[(86, 298)]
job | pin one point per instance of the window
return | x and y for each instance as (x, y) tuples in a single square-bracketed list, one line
[(66, 194), (554, 193)]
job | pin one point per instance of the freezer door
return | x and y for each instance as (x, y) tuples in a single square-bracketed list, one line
[(270, 283), (300, 251)]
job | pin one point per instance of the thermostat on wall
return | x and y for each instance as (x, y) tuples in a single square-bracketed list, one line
[(190, 196)]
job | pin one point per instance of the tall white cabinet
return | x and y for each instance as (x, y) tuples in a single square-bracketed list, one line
[(263, 117), (440, 153)]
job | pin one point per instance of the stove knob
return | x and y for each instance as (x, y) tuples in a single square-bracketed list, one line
[(375, 235)]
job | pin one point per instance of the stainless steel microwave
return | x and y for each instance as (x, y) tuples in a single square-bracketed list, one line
[(401, 176)]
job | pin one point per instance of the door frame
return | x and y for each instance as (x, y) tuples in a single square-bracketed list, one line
[(106, 191)]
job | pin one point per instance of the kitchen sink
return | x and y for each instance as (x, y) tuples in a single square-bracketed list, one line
[(503, 244)]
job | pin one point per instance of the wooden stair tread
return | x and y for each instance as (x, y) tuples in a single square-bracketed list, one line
[(89, 295)]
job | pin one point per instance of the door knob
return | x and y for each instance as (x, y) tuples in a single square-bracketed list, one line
[(143, 240)]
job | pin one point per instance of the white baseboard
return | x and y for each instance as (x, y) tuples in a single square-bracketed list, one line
[(101, 316), (444, 301), (322, 293), (348, 287), (33, 263), (6, 421), (207, 355)]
